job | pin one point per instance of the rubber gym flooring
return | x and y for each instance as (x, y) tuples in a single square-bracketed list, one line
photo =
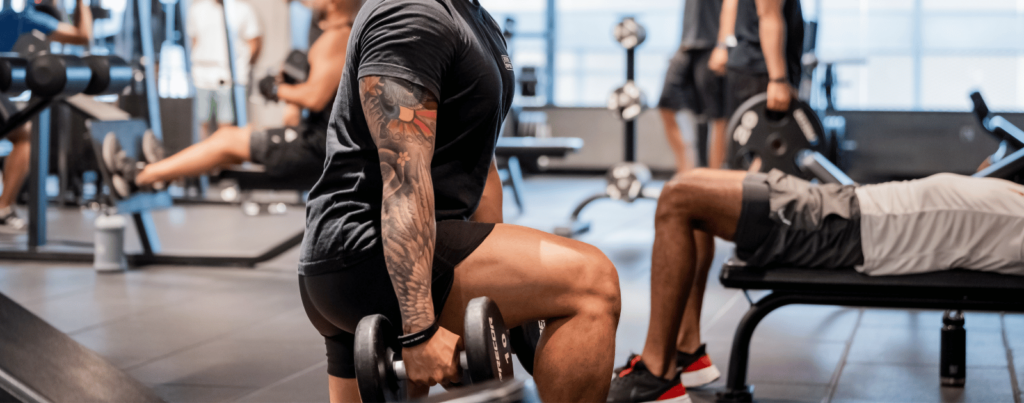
[(216, 335)]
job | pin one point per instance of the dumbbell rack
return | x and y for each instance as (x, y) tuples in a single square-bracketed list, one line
[(576, 227)]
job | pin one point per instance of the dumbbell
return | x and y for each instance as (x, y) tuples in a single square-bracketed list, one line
[(381, 373)]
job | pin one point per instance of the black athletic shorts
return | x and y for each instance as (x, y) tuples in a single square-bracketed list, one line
[(288, 152), (336, 301), (740, 86), (787, 221), (690, 84)]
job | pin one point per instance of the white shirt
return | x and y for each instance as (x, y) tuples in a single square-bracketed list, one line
[(210, 67)]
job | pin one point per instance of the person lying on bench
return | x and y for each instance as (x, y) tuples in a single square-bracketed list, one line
[(942, 222), (284, 152)]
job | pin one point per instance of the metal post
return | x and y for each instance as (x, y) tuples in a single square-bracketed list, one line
[(237, 90), (630, 124), (549, 69), (144, 12), (40, 163)]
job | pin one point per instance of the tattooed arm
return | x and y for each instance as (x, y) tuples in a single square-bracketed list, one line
[(402, 118)]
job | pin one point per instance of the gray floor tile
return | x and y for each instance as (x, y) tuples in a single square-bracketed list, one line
[(309, 385), (918, 345), (1015, 332), (198, 394), (797, 362), (231, 363), (894, 383)]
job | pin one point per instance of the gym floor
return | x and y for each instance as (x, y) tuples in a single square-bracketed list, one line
[(214, 334)]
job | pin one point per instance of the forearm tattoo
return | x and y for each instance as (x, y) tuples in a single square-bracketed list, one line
[(402, 118)]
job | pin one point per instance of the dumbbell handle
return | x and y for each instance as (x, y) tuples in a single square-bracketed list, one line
[(399, 366)]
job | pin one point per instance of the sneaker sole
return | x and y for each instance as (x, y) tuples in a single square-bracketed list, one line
[(109, 152), (150, 148), (701, 377), (120, 186)]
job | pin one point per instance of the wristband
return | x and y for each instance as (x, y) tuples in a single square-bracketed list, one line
[(779, 80), (420, 337)]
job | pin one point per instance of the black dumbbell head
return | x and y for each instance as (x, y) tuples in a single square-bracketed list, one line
[(51, 75), (12, 75), (488, 351), (375, 347), (110, 74)]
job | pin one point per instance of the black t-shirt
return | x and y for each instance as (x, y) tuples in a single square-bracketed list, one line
[(700, 23), (747, 56), (455, 50)]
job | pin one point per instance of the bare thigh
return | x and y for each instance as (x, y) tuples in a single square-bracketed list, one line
[(531, 275)]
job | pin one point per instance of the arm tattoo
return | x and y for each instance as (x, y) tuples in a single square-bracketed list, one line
[(402, 118)]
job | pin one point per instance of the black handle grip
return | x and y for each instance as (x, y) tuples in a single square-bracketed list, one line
[(980, 108)]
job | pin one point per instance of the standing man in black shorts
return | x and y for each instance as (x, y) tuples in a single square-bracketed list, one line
[(690, 84), (769, 37), (405, 220)]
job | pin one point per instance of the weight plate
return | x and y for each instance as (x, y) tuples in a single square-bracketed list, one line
[(488, 352), (375, 346), (776, 137)]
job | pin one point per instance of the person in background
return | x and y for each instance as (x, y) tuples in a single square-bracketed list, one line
[(13, 24), (293, 151), (690, 84), (211, 70)]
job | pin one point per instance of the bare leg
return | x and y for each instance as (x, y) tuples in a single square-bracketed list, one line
[(675, 139), (718, 144), (16, 165), (343, 390), (534, 275), (229, 145), (689, 331), (704, 200)]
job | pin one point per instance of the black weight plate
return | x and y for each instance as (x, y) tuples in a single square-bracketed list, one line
[(488, 351), (375, 344), (777, 138), (524, 340)]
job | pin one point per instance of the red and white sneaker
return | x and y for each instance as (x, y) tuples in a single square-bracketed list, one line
[(634, 383), (696, 369)]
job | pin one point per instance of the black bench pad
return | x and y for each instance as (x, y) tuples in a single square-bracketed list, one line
[(253, 177), (537, 146), (950, 284)]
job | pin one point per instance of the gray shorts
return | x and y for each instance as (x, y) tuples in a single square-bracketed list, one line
[(787, 221), (217, 103)]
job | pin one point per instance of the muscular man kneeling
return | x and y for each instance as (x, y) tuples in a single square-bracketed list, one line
[(941, 222), (285, 152), (405, 220)]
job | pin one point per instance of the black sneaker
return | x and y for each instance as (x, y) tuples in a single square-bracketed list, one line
[(634, 383), (153, 151), (10, 223), (696, 369), (122, 168)]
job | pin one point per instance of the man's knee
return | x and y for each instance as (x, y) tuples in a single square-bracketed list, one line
[(680, 194), (21, 134), (598, 284)]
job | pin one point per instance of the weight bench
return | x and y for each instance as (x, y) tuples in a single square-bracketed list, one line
[(948, 290), (510, 149)]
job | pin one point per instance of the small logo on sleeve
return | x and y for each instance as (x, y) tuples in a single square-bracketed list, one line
[(508, 62)]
